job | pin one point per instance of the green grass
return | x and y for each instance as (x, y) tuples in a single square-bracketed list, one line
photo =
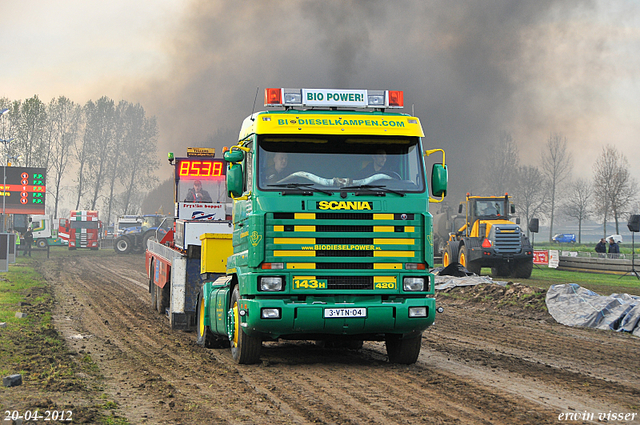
[(625, 248), (32, 347), (14, 286), (602, 283)]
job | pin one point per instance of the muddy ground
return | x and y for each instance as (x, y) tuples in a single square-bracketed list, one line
[(493, 357)]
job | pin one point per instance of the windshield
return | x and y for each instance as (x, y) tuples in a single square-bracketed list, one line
[(489, 208), (333, 162)]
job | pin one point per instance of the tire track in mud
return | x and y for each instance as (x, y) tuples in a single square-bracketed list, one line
[(549, 343), (540, 359), (160, 376)]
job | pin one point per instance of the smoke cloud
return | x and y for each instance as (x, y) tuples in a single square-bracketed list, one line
[(469, 70)]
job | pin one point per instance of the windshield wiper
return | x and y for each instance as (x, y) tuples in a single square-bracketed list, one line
[(300, 185), (373, 187)]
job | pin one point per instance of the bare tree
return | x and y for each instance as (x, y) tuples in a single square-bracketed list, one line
[(529, 193), (502, 165), (557, 164), (99, 134), (122, 132), (578, 202), (63, 125), (614, 188), (139, 156), (31, 118), (81, 155)]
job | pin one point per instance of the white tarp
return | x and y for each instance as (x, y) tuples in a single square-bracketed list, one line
[(456, 275), (573, 305)]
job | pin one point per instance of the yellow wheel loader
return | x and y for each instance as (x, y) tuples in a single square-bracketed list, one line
[(488, 238)]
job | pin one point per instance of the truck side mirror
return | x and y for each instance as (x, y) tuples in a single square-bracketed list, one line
[(234, 172), (234, 179), (439, 179), (460, 209), (513, 209), (234, 156)]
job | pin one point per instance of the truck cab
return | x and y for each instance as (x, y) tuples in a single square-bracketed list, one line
[(331, 229)]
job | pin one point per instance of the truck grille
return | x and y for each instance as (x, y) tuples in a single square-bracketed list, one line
[(336, 242), (507, 240)]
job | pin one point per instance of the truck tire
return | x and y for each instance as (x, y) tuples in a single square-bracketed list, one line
[(245, 349), (523, 269), (152, 288), (501, 270), (463, 259), (204, 336), (403, 351), (123, 245), (450, 253), (163, 297), (154, 296), (41, 243)]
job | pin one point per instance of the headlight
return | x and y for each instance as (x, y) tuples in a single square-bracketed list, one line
[(270, 283), (418, 311), (270, 313), (413, 284)]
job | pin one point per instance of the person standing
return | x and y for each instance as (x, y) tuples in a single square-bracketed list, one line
[(613, 247), (28, 239), (601, 247)]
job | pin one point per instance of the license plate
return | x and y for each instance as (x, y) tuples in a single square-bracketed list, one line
[(341, 313)]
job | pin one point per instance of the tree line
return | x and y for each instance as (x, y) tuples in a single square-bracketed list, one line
[(100, 155), (550, 189)]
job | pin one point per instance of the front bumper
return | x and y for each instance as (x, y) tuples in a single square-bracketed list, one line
[(305, 319), (489, 256)]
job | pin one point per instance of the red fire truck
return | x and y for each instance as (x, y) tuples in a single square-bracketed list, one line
[(81, 230)]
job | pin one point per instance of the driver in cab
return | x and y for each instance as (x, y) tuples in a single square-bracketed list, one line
[(279, 172), (378, 165)]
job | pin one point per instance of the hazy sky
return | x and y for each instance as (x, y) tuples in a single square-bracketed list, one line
[(469, 69)]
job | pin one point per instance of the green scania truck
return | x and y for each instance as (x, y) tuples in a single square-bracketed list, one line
[(331, 231)]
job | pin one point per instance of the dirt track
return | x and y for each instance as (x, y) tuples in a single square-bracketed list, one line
[(479, 364)]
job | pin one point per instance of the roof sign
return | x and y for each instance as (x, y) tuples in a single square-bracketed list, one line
[(334, 98), (209, 152)]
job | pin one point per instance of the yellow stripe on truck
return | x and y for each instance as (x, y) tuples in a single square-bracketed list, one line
[(295, 241), (398, 241), (393, 254), (294, 253), (295, 266)]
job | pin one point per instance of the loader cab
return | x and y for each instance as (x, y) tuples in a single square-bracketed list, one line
[(488, 208)]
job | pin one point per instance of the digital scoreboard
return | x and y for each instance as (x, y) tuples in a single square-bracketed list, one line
[(22, 190), (199, 168)]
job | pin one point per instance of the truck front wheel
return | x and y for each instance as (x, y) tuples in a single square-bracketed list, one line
[(403, 350), (245, 349), (41, 243)]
